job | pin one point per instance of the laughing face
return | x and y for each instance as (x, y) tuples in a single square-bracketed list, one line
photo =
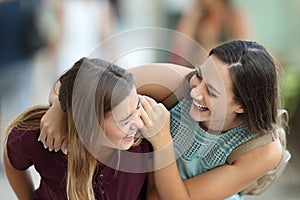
[(123, 122), (212, 94)]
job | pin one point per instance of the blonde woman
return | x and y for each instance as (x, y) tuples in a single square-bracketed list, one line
[(97, 138)]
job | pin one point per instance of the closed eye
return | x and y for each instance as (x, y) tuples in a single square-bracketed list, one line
[(212, 94), (199, 76), (127, 122)]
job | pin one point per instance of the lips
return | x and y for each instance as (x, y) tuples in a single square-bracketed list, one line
[(200, 106), (128, 136)]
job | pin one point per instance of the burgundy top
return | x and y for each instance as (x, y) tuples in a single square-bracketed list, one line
[(24, 151)]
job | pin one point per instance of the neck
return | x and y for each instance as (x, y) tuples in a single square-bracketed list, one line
[(104, 154)]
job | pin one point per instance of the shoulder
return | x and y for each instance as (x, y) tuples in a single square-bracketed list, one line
[(21, 146), (22, 137), (256, 163), (266, 157)]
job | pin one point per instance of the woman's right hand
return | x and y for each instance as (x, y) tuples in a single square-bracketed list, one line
[(53, 128), (156, 119)]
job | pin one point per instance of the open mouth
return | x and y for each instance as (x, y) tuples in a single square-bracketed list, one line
[(199, 106), (128, 136)]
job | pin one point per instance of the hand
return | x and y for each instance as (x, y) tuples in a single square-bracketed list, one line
[(53, 129), (156, 119)]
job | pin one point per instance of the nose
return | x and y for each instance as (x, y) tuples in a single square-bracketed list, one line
[(196, 94), (198, 90)]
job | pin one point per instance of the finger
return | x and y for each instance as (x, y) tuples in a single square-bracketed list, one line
[(50, 143), (145, 117), (43, 137), (64, 146), (151, 101), (162, 107), (145, 104), (156, 107), (57, 144)]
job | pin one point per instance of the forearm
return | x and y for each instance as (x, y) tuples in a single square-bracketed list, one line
[(53, 96), (20, 181), (227, 180), (167, 178), (159, 80), (151, 188)]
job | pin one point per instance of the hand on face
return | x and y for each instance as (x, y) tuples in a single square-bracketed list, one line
[(156, 119)]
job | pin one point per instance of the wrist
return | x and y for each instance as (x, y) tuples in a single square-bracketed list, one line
[(161, 143), (164, 156), (57, 107), (55, 101)]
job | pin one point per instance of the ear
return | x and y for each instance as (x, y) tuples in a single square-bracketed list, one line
[(239, 109)]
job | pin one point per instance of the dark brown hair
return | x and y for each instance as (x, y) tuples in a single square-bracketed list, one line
[(255, 81)]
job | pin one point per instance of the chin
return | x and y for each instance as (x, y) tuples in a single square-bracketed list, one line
[(196, 116), (125, 147)]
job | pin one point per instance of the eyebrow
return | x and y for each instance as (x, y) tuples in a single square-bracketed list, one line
[(126, 118), (198, 69), (212, 88)]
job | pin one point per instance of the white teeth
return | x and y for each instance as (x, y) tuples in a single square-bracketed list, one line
[(199, 105), (130, 135)]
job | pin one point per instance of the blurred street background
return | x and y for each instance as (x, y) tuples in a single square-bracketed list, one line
[(40, 39)]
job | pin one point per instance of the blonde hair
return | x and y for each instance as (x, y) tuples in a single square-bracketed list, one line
[(106, 77), (102, 79), (28, 120)]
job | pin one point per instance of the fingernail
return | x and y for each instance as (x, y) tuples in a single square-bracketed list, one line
[(39, 139), (65, 151), (50, 150), (56, 150), (45, 147)]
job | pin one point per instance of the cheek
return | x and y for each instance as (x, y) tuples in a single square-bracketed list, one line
[(118, 131), (218, 106), (224, 107), (114, 137), (113, 131), (124, 129)]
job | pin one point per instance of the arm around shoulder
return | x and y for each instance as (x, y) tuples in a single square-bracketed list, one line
[(53, 126), (159, 80), (226, 180)]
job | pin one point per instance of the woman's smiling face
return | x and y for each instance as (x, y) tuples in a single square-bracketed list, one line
[(123, 122), (212, 94)]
